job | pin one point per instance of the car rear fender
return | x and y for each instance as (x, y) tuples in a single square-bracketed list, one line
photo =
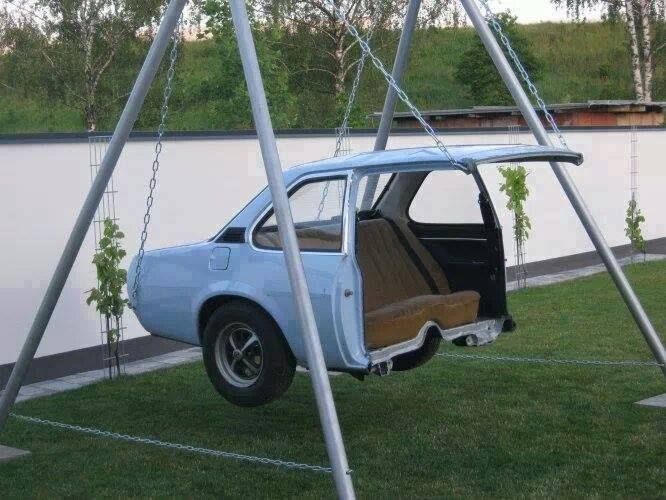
[(226, 291)]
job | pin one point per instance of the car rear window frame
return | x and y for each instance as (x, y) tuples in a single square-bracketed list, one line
[(268, 213)]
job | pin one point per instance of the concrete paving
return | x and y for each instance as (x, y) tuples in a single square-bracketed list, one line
[(657, 401), (71, 382), (7, 454), (550, 279)]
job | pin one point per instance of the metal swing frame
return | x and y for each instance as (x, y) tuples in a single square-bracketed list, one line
[(322, 389)]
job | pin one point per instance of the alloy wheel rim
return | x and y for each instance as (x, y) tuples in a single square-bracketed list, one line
[(239, 355)]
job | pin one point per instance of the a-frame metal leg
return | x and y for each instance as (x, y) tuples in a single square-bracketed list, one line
[(83, 221), (539, 131), (399, 66), (322, 387)]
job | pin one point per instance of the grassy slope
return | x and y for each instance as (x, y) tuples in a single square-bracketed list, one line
[(581, 62), (448, 429)]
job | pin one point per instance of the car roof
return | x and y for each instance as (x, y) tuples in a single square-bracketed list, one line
[(405, 160), (434, 158)]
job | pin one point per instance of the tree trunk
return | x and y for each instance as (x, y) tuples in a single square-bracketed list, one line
[(644, 7), (116, 345), (338, 61), (639, 88), (108, 346), (91, 115)]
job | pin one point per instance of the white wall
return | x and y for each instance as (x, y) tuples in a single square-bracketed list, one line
[(202, 183)]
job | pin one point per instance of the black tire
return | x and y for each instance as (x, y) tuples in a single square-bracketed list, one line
[(419, 357), (265, 367)]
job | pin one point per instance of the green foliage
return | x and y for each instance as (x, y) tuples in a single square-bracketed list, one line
[(477, 72), (227, 87), (74, 51), (634, 218), (108, 296), (515, 187), (581, 61)]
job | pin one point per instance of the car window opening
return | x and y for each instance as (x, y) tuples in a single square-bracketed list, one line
[(419, 272), (317, 208)]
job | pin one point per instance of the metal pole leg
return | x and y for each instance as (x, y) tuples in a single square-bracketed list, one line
[(399, 66), (120, 135), (539, 131), (295, 270)]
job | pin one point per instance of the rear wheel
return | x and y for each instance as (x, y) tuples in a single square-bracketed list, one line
[(419, 357), (246, 356)]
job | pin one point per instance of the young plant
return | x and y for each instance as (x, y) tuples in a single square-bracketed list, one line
[(515, 187), (516, 190), (108, 296), (634, 218)]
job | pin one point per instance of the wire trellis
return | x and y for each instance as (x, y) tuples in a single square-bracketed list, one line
[(519, 252), (97, 146)]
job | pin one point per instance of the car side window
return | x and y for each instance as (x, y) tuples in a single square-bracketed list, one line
[(447, 197), (317, 208)]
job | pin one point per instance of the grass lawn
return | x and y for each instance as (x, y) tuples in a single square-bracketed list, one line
[(451, 428)]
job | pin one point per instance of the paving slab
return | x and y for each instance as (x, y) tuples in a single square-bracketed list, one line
[(8, 454), (56, 385), (144, 367), (658, 401), (30, 392), (176, 360), (79, 379)]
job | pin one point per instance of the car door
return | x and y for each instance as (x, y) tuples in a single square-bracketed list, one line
[(318, 209)]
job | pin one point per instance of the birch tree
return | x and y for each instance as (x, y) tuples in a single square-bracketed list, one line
[(80, 40), (640, 17), (337, 53)]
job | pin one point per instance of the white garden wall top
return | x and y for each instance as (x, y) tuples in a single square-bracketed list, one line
[(203, 181)]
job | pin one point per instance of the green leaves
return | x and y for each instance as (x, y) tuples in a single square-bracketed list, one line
[(634, 218), (108, 297), (475, 68), (226, 89), (515, 187)]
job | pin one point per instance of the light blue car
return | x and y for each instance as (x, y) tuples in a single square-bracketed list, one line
[(389, 275)]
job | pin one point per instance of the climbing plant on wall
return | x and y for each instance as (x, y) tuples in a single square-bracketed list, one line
[(516, 190), (108, 296), (634, 218)]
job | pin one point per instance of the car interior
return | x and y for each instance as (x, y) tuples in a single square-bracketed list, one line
[(416, 272), (419, 260)]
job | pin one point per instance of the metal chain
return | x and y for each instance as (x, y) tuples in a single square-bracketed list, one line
[(342, 131), (391, 81), (516, 359), (174, 446), (324, 194), (354, 90), (168, 89), (497, 27)]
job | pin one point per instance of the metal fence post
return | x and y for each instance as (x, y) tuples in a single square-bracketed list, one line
[(572, 193), (78, 234), (295, 270), (386, 120)]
